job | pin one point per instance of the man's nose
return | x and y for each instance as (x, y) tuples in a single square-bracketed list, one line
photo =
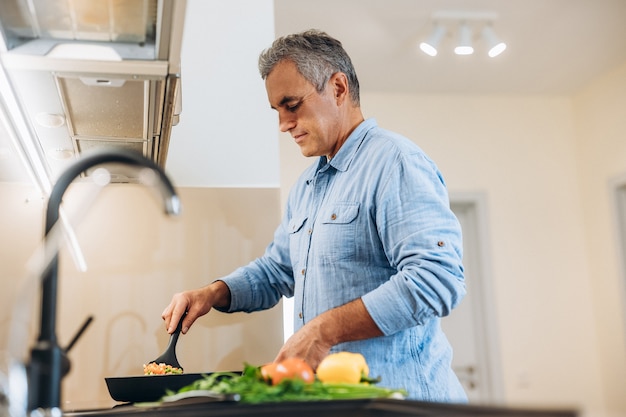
[(286, 122)]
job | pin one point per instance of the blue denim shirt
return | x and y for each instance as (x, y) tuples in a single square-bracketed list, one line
[(374, 223)]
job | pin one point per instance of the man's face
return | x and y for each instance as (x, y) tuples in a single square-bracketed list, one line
[(312, 119)]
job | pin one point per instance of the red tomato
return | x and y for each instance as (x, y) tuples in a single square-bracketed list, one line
[(290, 368), (272, 373), (297, 368)]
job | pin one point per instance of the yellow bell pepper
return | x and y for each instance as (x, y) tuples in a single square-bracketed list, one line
[(345, 367)]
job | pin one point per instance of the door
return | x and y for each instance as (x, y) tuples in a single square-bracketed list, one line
[(619, 195), (470, 327)]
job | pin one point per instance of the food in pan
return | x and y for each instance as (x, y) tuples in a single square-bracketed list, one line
[(154, 368)]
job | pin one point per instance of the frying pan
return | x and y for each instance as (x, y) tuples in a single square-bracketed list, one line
[(147, 388)]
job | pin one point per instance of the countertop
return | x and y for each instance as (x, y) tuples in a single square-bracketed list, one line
[(335, 408)]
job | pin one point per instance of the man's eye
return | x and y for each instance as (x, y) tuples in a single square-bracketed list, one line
[(293, 107)]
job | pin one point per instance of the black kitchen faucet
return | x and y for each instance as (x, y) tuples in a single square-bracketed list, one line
[(49, 362)]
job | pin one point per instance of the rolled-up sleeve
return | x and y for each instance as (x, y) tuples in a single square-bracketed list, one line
[(423, 242)]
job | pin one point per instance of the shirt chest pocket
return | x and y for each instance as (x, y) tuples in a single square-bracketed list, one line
[(335, 236), (344, 213), (296, 224), (298, 240)]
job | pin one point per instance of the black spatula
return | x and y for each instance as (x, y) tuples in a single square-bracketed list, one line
[(169, 356)]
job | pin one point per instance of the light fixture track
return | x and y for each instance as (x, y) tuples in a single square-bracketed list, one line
[(463, 24)]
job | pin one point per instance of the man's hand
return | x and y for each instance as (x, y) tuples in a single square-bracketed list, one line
[(195, 303), (313, 341), (307, 344)]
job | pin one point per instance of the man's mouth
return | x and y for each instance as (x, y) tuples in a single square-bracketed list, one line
[(299, 137)]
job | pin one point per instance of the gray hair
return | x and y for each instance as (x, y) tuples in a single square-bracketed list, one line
[(317, 57)]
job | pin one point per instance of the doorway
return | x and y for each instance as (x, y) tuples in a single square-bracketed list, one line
[(471, 328), (619, 196)]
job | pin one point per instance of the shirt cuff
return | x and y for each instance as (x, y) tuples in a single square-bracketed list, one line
[(388, 310), (240, 292)]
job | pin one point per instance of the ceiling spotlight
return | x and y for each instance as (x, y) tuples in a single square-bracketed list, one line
[(495, 45), (465, 41), (429, 47)]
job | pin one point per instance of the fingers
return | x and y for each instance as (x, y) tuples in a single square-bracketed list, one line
[(188, 305), (304, 344), (174, 311), (177, 315), (188, 320), (167, 316)]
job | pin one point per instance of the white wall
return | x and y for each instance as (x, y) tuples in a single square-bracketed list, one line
[(601, 146), (227, 135)]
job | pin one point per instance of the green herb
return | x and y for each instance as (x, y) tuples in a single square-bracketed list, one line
[(251, 388)]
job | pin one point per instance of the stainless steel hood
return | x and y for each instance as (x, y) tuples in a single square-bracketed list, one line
[(90, 74)]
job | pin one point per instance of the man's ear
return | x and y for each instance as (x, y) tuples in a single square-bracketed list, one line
[(339, 83)]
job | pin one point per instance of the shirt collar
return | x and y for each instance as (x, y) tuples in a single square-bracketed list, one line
[(342, 159)]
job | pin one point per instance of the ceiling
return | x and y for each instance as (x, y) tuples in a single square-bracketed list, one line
[(553, 46)]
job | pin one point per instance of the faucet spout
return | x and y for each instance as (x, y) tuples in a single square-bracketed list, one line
[(48, 359)]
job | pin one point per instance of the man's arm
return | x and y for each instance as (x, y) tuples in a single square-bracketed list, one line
[(346, 323)]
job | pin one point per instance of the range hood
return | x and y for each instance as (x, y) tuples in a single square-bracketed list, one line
[(89, 74)]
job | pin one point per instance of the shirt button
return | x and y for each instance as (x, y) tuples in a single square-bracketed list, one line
[(440, 243), (300, 314), (303, 271), (333, 216), (310, 231)]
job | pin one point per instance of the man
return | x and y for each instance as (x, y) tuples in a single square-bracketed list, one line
[(368, 245)]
